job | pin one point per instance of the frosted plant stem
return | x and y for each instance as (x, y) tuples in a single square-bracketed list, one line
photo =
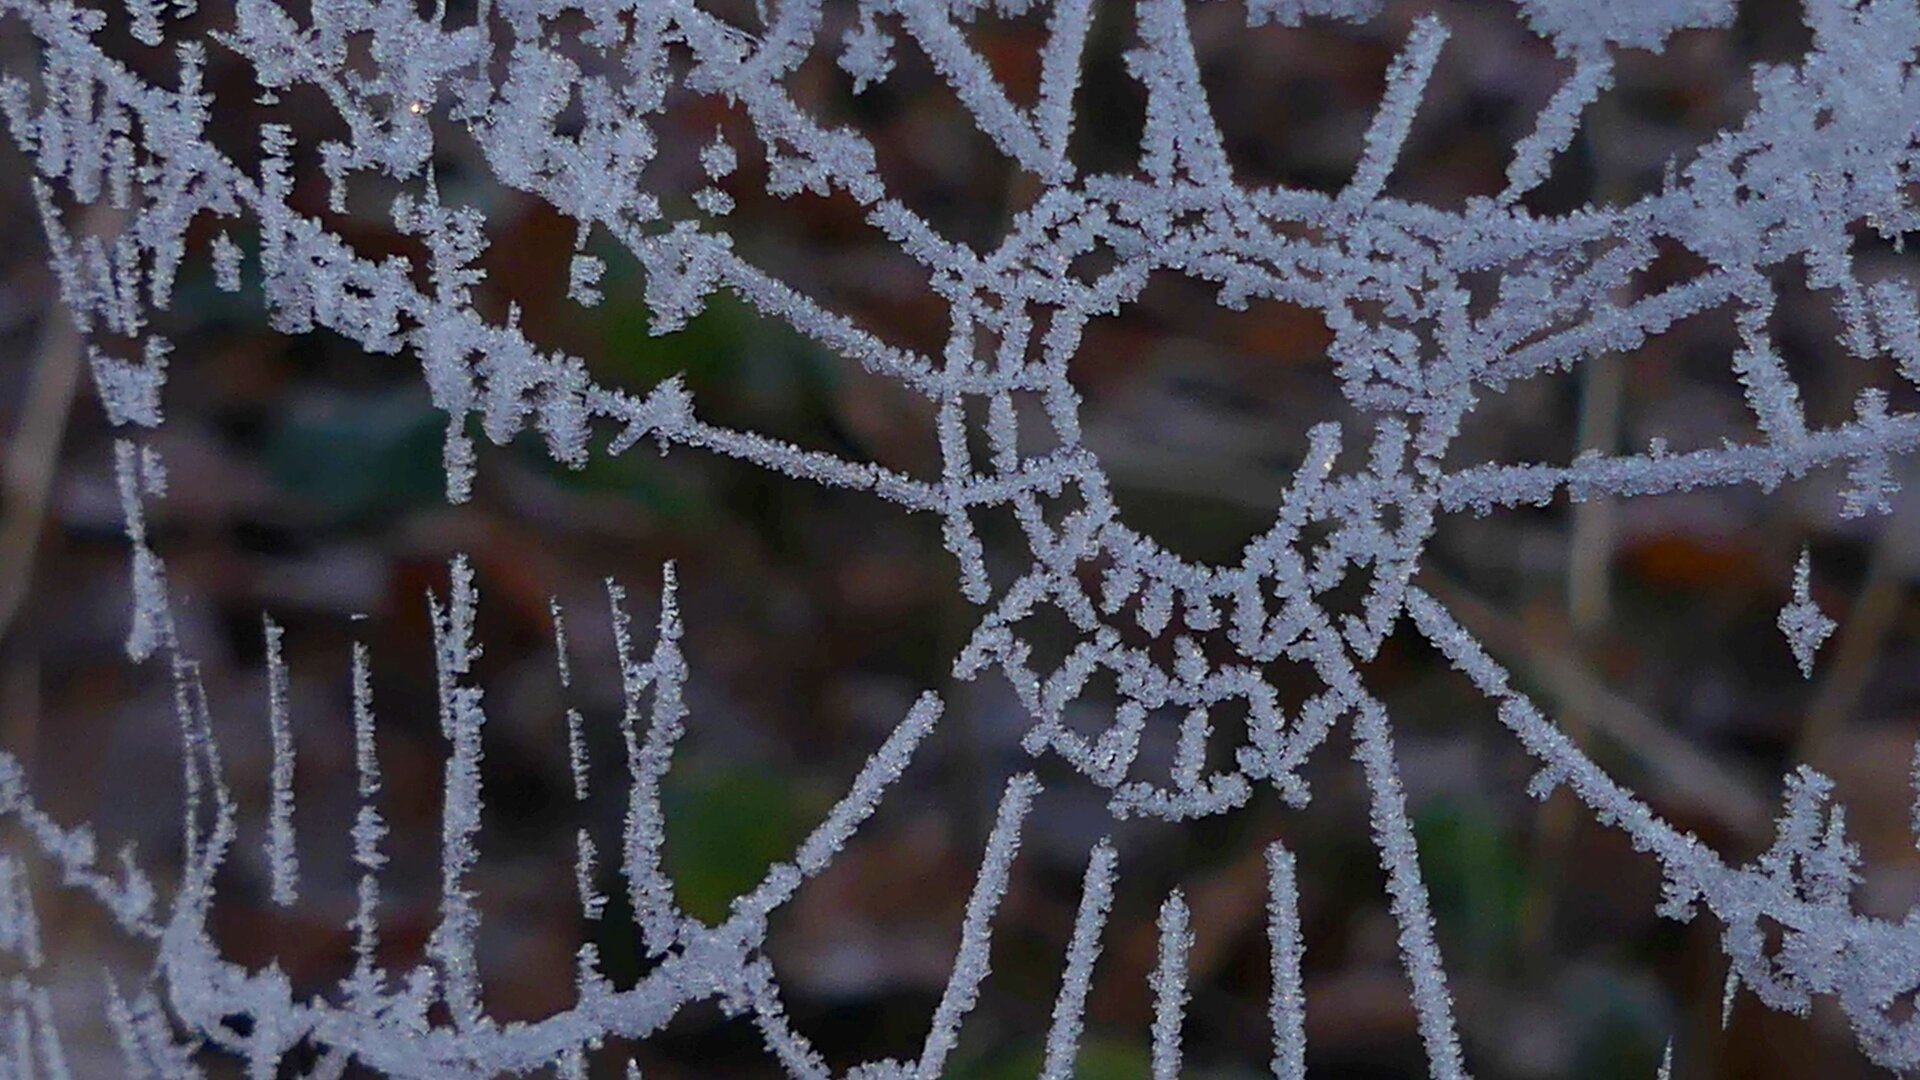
[(1676, 764), (1180, 132), (1067, 28), (973, 81)]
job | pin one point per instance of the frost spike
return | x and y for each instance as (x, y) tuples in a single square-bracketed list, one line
[(1180, 130), (577, 753), (882, 768), (281, 857), (561, 661), (1393, 835), (152, 624), (1406, 84), (1554, 130), (970, 962), (19, 924), (1913, 774), (973, 82), (1169, 983), (1288, 1011), (649, 887), (200, 764), (1060, 74), (1806, 627), (368, 828), (1770, 389), (52, 1053), (1069, 1009), (461, 720), (592, 903)]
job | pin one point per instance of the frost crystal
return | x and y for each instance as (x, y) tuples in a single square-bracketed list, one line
[(1170, 987), (1802, 621), (1096, 900), (1283, 937), (128, 176), (280, 851)]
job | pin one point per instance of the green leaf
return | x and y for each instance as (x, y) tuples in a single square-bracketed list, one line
[(725, 826), (360, 456)]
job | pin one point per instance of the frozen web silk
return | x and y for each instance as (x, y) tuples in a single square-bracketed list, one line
[(1802, 621), (125, 166)]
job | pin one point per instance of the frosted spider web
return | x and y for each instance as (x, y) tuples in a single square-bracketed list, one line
[(1829, 143)]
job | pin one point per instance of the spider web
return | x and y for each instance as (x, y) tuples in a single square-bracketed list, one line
[(126, 165)]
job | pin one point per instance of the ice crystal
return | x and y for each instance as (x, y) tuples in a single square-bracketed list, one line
[(1802, 621), (126, 166)]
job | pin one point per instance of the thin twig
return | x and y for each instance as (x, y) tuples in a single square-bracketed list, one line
[(33, 453), (1682, 769), (1863, 635)]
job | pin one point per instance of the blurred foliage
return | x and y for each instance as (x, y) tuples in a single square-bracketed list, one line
[(725, 825), (1476, 880), (813, 617), (357, 457)]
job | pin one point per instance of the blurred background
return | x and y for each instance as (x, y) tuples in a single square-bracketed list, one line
[(306, 484)]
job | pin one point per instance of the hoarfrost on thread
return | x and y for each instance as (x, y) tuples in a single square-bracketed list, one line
[(1802, 621), (1170, 986), (126, 165)]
